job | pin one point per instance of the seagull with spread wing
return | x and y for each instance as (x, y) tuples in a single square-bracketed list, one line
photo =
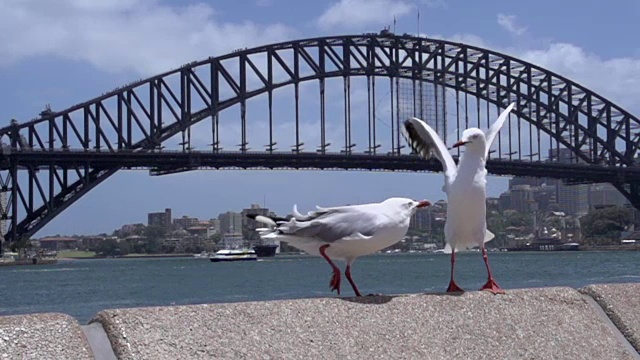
[(465, 186), (343, 232)]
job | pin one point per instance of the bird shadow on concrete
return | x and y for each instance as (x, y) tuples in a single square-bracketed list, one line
[(371, 299), (378, 299), (444, 293)]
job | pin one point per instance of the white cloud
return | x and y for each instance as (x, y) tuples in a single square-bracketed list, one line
[(617, 79), (434, 4), (357, 13), (509, 23), (143, 36)]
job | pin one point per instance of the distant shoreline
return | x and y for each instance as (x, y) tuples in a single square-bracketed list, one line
[(126, 257), (153, 256)]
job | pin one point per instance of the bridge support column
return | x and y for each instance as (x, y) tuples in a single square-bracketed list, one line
[(14, 201), (631, 191)]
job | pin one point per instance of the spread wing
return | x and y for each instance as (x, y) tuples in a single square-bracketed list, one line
[(425, 141), (491, 134), (332, 224)]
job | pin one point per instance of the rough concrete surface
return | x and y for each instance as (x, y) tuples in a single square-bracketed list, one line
[(621, 302), (550, 323), (42, 336)]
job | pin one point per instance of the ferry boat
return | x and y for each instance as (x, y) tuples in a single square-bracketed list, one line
[(234, 255)]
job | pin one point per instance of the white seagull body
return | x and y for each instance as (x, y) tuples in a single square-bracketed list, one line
[(465, 185), (344, 232)]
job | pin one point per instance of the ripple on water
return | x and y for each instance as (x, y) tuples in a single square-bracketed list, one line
[(83, 288)]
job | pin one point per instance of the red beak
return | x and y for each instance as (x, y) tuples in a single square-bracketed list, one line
[(423, 203), (459, 143)]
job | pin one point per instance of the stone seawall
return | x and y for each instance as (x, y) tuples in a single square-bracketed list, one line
[(595, 322)]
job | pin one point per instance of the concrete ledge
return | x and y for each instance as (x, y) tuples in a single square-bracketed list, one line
[(621, 302), (42, 336), (546, 323)]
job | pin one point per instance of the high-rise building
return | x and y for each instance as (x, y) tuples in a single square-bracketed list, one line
[(230, 223), (215, 224), (162, 219), (572, 199), (605, 194), (249, 226), (186, 222), (522, 198), (421, 219)]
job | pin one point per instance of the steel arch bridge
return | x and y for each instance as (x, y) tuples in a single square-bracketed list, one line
[(51, 161)]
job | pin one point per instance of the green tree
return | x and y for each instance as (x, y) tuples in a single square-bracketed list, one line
[(152, 246), (124, 248), (155, 232), (111, 247), (518, 220), (606, 223), (496, 224), (108, 247)]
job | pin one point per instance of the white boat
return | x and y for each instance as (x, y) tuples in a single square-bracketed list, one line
[(234, 255), (202, 255), (8, 258)]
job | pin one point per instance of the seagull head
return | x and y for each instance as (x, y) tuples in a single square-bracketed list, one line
[(406, 205), (472, 138)]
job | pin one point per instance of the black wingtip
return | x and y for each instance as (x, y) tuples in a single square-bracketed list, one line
[(411, 136), (416, 143), (252, 216)]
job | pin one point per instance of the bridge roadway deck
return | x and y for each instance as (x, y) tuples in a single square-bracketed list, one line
[(175, 161), (596, 322)]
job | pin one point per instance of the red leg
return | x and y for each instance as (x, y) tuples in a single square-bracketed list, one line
[(453, 287), (335, 278), (347, 273), (491, 284)]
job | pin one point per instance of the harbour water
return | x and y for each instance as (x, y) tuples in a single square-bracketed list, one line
[(82, 288)]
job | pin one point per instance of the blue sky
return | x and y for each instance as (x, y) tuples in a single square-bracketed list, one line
[(67, 51)]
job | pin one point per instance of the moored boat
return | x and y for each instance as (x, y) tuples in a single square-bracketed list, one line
[(234, 255), (42, 258)]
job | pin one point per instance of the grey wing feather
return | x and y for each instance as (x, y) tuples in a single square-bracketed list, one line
[(332, 225)]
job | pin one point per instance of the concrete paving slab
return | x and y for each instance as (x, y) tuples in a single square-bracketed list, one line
[(621, 302), (549, 323), (42, 336)]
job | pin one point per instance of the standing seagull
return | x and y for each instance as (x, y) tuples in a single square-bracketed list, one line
[(465, 186), (344, 232)]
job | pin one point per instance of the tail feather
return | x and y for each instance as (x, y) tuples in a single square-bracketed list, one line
[(272, 221), (295, 212)]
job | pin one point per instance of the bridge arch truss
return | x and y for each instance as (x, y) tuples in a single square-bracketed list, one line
[(51, 161)]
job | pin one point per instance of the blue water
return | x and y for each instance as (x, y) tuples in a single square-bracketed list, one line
[(82, 288)]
